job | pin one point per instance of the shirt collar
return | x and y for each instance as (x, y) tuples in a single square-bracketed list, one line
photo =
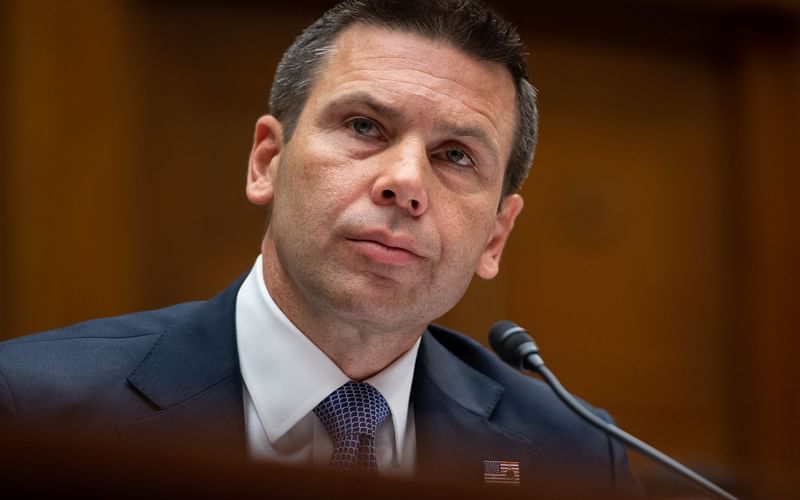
[(284, 390)]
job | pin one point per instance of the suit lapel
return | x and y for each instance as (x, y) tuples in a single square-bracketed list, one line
[(191, 376), (453, 405)]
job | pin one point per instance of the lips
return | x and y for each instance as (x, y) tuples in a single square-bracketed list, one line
[(386, 248)]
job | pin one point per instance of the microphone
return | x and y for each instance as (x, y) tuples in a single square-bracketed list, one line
[(516, 347)]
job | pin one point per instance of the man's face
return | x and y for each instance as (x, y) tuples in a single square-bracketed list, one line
[(385, 200)]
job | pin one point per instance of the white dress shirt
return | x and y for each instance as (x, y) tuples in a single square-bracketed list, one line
[(285, 376)]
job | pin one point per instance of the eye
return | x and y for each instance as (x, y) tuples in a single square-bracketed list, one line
[(458, 156), (364, 127)]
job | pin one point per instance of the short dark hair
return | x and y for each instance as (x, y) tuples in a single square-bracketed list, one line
[(470, 25)]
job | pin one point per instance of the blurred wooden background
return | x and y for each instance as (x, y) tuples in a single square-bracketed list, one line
[(656, 260)]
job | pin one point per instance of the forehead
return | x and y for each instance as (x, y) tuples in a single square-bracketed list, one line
[(411, 69)]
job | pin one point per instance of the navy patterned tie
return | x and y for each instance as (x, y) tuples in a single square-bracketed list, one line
[(351, 414)]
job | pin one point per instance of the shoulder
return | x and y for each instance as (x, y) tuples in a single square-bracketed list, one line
[(522, 393), (528, 408), (68, 366), (48, 350), (121, 333)]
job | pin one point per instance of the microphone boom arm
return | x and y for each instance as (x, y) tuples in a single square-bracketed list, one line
[(516, 347), (628, 439)]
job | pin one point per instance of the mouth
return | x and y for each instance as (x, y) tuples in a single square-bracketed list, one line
[(386, 249)]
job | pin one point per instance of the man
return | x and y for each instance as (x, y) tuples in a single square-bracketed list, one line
[(398, 136)]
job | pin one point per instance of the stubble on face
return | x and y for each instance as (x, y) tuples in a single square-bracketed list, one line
[(319, 260)]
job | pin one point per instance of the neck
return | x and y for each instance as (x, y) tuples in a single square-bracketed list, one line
[(360, 349)]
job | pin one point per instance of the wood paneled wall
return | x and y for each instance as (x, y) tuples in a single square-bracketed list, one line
[(769, 302), (656, 258)]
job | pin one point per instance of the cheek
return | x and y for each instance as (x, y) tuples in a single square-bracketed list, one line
[(467, 232), (318, 184)]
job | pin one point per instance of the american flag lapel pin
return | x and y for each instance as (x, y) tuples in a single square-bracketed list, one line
[(501, 472)]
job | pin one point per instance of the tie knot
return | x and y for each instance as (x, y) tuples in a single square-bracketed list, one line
[(356, 408)]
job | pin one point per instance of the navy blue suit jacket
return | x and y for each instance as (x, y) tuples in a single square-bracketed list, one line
[(172, 376)]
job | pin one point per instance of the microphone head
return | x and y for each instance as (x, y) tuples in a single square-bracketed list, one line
[(512, 343)]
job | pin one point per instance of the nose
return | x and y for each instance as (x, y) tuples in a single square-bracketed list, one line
[(401, 180)]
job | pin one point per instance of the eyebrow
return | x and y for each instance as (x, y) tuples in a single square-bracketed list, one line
[(392, 113), (365, 99)]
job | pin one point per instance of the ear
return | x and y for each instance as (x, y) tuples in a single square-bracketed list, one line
[(489, 264), (262, 167)]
